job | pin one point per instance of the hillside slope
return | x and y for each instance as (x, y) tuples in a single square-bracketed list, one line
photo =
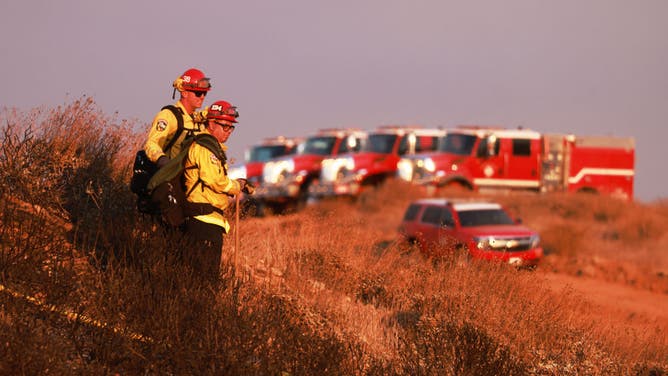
[(91, 287)]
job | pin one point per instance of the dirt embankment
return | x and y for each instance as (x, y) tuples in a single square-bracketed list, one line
[(614, 302)]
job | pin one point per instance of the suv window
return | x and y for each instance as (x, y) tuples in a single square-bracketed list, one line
[(484, 217), (411, 212), (438, 215), (447, 219), (432, 215)]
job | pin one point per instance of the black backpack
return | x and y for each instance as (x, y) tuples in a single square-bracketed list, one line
[(143, 169), (166, 187)]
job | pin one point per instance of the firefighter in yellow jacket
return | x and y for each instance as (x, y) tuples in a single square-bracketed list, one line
[(207, 181), (164, 139)]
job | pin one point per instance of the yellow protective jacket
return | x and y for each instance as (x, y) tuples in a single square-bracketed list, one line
[(205, 172), (163, 129)]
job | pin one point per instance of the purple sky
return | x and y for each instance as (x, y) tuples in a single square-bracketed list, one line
[(590, 67)]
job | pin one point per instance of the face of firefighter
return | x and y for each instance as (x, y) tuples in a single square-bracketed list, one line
[(192, 100), (221, 129)]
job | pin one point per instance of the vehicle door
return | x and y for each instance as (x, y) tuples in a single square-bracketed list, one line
[(437, 224), (491, 166), (522, 162), (447, 240)]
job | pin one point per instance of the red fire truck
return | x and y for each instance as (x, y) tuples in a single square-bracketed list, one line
[(481, 158), (257, 155), (286, 180), (349, 174), (254, 159)]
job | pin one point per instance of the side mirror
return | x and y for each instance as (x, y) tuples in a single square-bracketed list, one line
[(491, 145)]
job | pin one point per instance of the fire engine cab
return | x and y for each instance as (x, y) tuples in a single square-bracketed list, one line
[(254, 159), (348, 174), (286, 180), (257, 155), (480, 158)]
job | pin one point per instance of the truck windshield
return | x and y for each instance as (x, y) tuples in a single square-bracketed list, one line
[(485, 217), (460, 144), (380, 143), (264, 153), (320, 145)]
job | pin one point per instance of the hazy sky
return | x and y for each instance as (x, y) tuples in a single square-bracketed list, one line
[(590, 67)]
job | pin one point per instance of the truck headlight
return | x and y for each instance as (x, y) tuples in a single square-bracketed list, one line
[(405, 169), (349, 163), (535, 241), (484, 243), (275, 171), (332, 169), (429, 165), (238, 172)]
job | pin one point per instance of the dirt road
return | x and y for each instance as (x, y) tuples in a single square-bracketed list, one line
[(621, 303)]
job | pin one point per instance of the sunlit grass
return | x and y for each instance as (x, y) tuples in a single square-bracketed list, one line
[(328, 290)]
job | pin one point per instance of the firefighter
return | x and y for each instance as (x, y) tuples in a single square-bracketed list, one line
[(164, 138), (206, 181)]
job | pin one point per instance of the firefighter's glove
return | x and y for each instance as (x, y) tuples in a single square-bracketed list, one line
[(162, 161), (246, 186), (200, 117)]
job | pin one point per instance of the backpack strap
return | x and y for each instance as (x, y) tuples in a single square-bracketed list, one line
[(198, 182), (211, 143), (172, 169), (178, 113)]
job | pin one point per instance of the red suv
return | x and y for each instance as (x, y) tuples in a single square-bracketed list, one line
[(484, 229)]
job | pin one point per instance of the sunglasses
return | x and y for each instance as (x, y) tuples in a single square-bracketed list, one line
[(199, 94), (226, 127)]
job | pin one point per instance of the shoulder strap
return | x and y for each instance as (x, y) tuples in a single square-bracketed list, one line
[(210, 142), (178, 113)]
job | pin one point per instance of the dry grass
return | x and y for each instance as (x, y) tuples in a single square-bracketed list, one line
[(329, 290)]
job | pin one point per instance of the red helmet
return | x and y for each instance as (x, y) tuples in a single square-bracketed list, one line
[(222, 110), (192, 80)]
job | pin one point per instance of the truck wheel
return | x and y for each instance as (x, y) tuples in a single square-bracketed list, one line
[(260, 209), (302, 199)]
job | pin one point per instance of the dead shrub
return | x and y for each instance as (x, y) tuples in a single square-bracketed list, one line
[(563, 239), (440, 347), (640, 226)]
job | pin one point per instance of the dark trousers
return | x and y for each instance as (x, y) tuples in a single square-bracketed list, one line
[(205, 243)]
